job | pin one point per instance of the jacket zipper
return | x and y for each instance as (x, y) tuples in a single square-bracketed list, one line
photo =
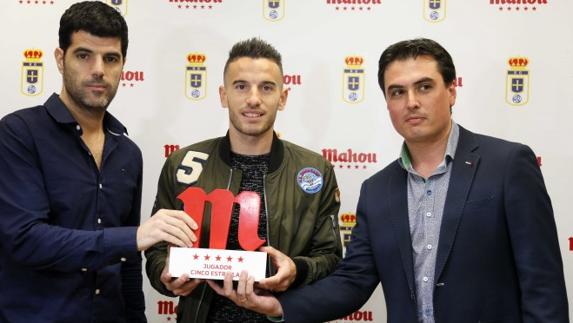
[(269, 267), (205, 285)]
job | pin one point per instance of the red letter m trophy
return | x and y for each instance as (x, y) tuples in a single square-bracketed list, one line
[(213, 262)]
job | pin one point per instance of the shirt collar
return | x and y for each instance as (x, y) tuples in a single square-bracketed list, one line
[(453, 138), (60, 113)]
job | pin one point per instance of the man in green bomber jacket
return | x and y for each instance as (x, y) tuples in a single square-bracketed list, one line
[(298, 190)]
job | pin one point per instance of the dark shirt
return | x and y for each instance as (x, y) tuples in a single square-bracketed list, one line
[(253, 170), (68, 250)]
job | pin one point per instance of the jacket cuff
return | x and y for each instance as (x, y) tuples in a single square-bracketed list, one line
[(301, 272)]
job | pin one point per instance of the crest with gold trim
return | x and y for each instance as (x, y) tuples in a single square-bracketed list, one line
[(347, 223), (119, 5), (196, 77), (517, 81), (32, 77), (274, 10), (353, 80), (434, 10)]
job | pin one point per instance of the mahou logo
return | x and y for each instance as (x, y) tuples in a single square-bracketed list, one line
[(292, 80), (353, 5), (349, 159), (131, 78), (169, 149), (195, 4), (434, 10), (168, 309), (360, 316), (119, 5), (32, 76), (518, 5), (274, 10)]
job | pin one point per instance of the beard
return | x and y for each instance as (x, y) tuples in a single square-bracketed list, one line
[(84, 97)]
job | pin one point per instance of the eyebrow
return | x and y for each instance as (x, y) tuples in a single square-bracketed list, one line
[(84, 49), (422, 80)]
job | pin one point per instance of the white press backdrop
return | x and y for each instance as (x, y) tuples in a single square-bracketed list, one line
[(315, 37)]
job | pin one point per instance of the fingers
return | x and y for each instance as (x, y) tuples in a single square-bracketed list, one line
[(172, 226)]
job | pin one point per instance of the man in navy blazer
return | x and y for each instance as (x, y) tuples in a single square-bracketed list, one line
[(459, 229)]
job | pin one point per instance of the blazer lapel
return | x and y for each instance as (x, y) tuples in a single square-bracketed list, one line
[(399, 215), (464, 167)]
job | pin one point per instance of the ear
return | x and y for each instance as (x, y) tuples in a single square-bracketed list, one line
[(59, 56), (223, 96), (452, 93), (283, 98)]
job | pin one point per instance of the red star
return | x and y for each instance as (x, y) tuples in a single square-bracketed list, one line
[(240, 259), (207, 257), (131, 84), (360, 8), (525, 8), (202, 7), (337, 8), (179, 6), (169, 318), (500, 8), (364, 167), (341, 166), (534, 8), (352, 8), (508, 8), (356, 166), (195, 256), (344, 8), (122, 84), (218, 258), (369, 8), (210, 7), (229, 258), (187, 6), (348, 166), (195, 7), (51, 2), (517, 8)]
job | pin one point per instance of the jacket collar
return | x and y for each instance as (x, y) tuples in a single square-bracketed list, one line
[(277, 151)]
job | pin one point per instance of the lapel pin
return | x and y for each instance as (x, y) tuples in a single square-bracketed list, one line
[(469, 163)]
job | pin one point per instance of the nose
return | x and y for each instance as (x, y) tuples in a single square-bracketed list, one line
[(412, 102), (254, 98), (98, 67)]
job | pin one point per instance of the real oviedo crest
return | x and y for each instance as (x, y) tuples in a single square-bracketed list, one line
[(434, 10), (353, 80), (196, 77), (119, 5), (273, 10), (517, 82), (32, 77)]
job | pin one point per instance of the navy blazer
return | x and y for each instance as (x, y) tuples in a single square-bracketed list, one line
[(498, 255)]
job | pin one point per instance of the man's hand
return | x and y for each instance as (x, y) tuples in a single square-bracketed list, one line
[(286, 271), (181, 286), (247, 295), (174, 227)]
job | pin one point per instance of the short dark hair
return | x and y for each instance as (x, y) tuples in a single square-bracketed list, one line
[(254, 48), (96, 18), (412, 49)]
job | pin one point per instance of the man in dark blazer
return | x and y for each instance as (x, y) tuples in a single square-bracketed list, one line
[(459, 229)]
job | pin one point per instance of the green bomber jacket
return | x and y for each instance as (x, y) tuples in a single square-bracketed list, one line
[(302, 204)]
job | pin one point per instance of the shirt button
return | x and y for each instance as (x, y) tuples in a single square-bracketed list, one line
[(429, 246), (84, 269), (78, 128), (98, 221), (97, 291), (100, 186), (429, 214), (123, 259), (425, 279), (429, 192)]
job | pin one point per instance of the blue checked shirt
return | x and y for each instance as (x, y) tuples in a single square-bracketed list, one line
[(426, 200)]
